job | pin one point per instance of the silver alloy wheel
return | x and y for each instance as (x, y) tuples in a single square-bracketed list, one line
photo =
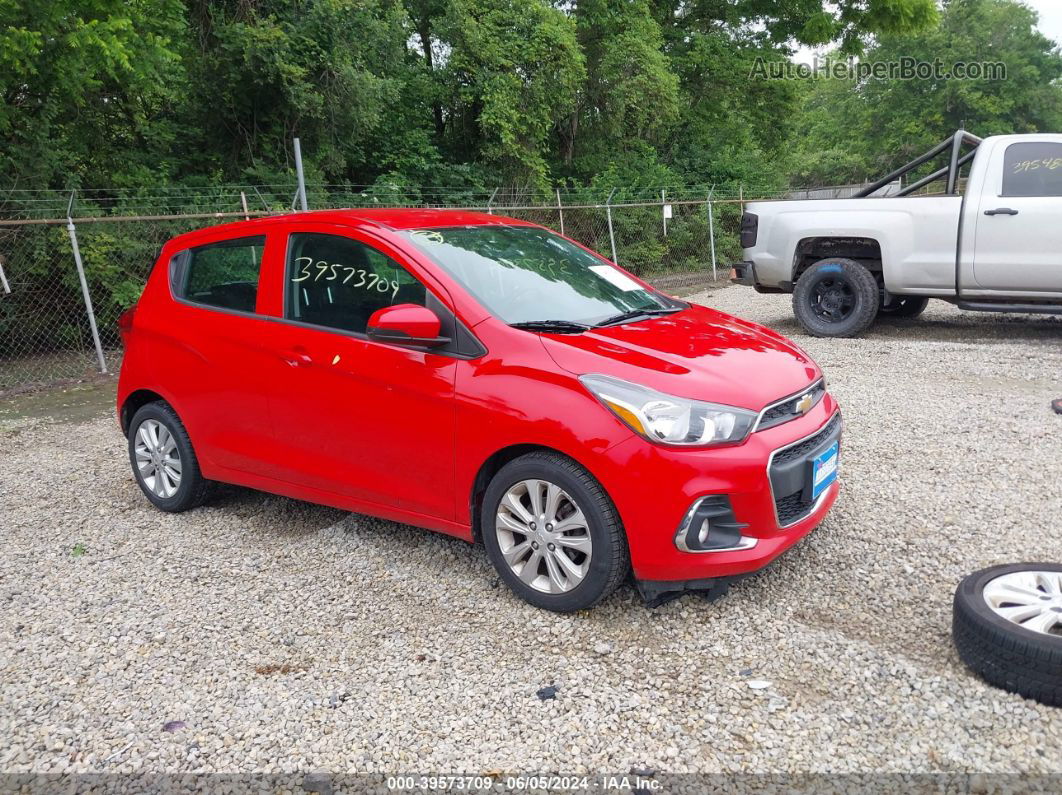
[(1031, 599), (157, 458), (543, 536)]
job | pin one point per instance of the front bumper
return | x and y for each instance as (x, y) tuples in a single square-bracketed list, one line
[(667, 481)]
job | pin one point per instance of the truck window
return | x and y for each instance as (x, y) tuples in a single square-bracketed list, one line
[(1033, 169)]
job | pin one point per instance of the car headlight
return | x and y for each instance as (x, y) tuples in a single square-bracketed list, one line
[(668, 419)]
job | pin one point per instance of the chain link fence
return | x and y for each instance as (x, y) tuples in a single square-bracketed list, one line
[(679, 244)]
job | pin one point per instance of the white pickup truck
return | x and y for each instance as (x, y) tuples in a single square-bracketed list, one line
[(995, 246)]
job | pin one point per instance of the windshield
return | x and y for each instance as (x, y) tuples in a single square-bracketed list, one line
[(524, 275)]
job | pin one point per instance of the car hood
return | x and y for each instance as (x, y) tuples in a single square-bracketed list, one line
[(697, 353)]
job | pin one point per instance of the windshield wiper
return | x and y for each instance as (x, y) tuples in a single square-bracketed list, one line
[(556, 326), (623, 317)]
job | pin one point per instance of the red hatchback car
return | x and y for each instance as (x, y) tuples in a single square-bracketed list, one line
[(482, 377)]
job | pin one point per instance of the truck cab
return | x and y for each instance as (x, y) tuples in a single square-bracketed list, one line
[(989, 240)]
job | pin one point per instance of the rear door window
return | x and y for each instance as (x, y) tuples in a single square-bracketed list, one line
[(338, 282), (223, 274), (1033, 169)]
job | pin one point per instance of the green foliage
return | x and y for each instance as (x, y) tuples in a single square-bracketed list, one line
[(84, 84), (331, 72), (513, 69), (390, 96), (854, 131), (476, 93), (630, 97)]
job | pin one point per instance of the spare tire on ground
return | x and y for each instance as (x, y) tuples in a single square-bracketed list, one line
[(1007, 627)]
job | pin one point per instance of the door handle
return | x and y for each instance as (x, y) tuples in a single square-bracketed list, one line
[(1001, 211), (297, 358)]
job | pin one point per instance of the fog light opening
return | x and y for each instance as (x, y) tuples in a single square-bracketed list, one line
[(702, 534), (710, 526)]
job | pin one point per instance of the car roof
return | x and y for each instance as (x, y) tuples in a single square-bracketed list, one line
[(393, 218)]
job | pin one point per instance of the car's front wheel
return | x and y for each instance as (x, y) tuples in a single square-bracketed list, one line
[(836, 297), (553, 534), (164, 463)]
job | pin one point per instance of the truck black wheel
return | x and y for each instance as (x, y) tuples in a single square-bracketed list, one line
[(1007, 627), (905, 306), (836, 298)]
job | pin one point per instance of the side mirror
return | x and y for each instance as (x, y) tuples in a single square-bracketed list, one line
[(407, 325)]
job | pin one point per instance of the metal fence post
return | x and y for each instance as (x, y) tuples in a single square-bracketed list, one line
[(560, 211), (84, 286), (663, 211), (490, 201), (711, 229), (611, 234), (301, 178)]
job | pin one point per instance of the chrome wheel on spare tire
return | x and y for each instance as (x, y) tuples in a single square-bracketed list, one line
[(164, 463), (552, 532), (1007, 627), (1028, 598), (543, 536)]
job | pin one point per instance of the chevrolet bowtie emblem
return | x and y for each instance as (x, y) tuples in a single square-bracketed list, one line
[(803, 406)]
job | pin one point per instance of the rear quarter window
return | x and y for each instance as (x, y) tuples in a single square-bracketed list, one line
[(222, 274), (1033, 169)]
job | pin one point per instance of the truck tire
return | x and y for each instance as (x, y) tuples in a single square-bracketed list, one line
[(836, 297), (1007, 627), (905, 306)]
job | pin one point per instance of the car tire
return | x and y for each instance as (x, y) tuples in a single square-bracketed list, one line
[(836, 297), (905, 306), (607, 560), (1002, 651), (169, 477)]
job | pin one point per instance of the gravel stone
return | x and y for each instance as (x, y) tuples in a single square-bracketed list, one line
[(293, 638)]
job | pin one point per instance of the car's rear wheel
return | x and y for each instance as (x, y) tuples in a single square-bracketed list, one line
[(1007, 627), (164, 463), (905, 306), (836, 298), (553, 534)]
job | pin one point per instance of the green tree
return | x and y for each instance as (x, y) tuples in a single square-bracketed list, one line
[(860, 130), (816, 22), (333, 72), (86, 88), (630, 95), (512, 71)]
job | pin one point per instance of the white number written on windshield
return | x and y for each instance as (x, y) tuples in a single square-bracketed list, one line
[(367, 280)]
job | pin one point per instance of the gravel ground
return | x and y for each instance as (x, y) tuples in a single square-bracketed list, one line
[(286, 637)]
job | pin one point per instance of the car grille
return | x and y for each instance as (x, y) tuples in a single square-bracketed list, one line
[(809, 444), (787, 410), (791, 508)]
